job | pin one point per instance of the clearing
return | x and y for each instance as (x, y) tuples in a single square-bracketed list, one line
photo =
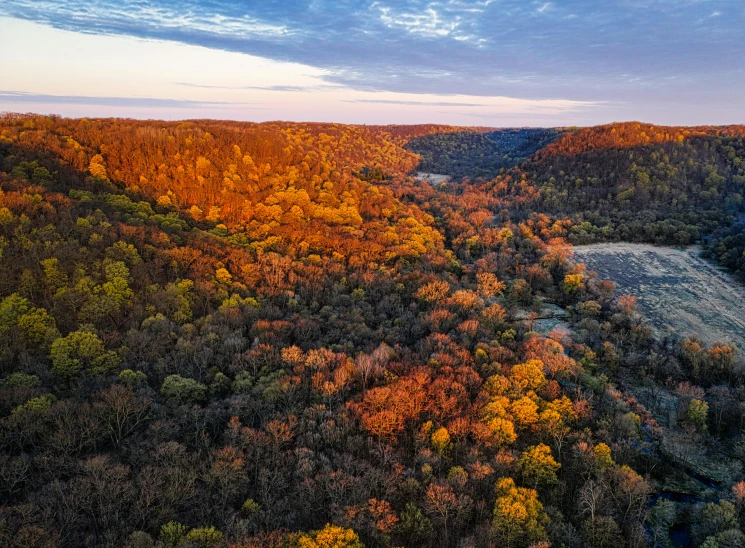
[(432, 178), (677, 290)]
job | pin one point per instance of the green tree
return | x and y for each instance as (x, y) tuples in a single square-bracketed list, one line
[(697, 414), (54, 278), (38, 328), (715, 519), (731, 538), (12, 308), (172, 533), (602, 532), (24, 327), (415, 527), (179, 298), (180, 390), (21, 379), (132, 379), (660, 519), (105, 302), (81, 351), (204, 537), (37, 405)]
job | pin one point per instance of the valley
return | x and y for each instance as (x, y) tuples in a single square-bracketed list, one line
[(291, 334), (372, 274)]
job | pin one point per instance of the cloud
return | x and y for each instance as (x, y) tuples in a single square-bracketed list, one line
[(582, 50), (139, 102), (286, 88), (427, 23), (415, 103), (464, 106), (132, 17)]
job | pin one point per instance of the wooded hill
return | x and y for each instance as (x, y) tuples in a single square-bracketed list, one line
[(232, 334)]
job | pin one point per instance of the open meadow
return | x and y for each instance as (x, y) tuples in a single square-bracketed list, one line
[(679, 291)]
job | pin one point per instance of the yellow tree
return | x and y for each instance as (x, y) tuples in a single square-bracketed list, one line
[(97, 168), (503, 431), (493, 315), (331, 536), (489, 285), (433, 291), (519, 519), (603, 457), (538, 466), (525, 412), (552, 423), (573, 282), (528, 376), (441, 441)]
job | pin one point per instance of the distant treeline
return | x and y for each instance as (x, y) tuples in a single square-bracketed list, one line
[(477, 154)]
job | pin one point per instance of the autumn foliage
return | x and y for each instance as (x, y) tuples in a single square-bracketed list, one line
[(233, 334)]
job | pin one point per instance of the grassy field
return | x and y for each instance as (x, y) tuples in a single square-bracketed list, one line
[(432, 178), (678, 291)]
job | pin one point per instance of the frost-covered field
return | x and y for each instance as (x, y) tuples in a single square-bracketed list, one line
[(432, 178), (678, 291)]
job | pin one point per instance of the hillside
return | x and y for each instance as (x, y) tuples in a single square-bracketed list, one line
[(632, 182), (636, 182), (478, 153), (232, 334)]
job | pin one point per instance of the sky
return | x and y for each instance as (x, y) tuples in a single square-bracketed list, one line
[(491, 63)]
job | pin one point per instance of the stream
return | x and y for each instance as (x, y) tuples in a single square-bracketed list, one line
[(680, 533)]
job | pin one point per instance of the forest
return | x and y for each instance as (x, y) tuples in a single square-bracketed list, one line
[(247, 335), (478, 152)]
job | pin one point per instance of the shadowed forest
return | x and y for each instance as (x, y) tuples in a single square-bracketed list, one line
[(271, 335)]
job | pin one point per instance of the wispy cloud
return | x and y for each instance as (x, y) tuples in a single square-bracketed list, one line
[(428, 23), (583, 50), (415, 103), (286, 88), (492, 106), (129, 16), (139, 102)]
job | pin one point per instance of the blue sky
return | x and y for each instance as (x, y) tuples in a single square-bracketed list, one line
[(484, 62)]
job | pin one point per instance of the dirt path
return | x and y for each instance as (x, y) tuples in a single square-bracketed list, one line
[(678, 291)]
